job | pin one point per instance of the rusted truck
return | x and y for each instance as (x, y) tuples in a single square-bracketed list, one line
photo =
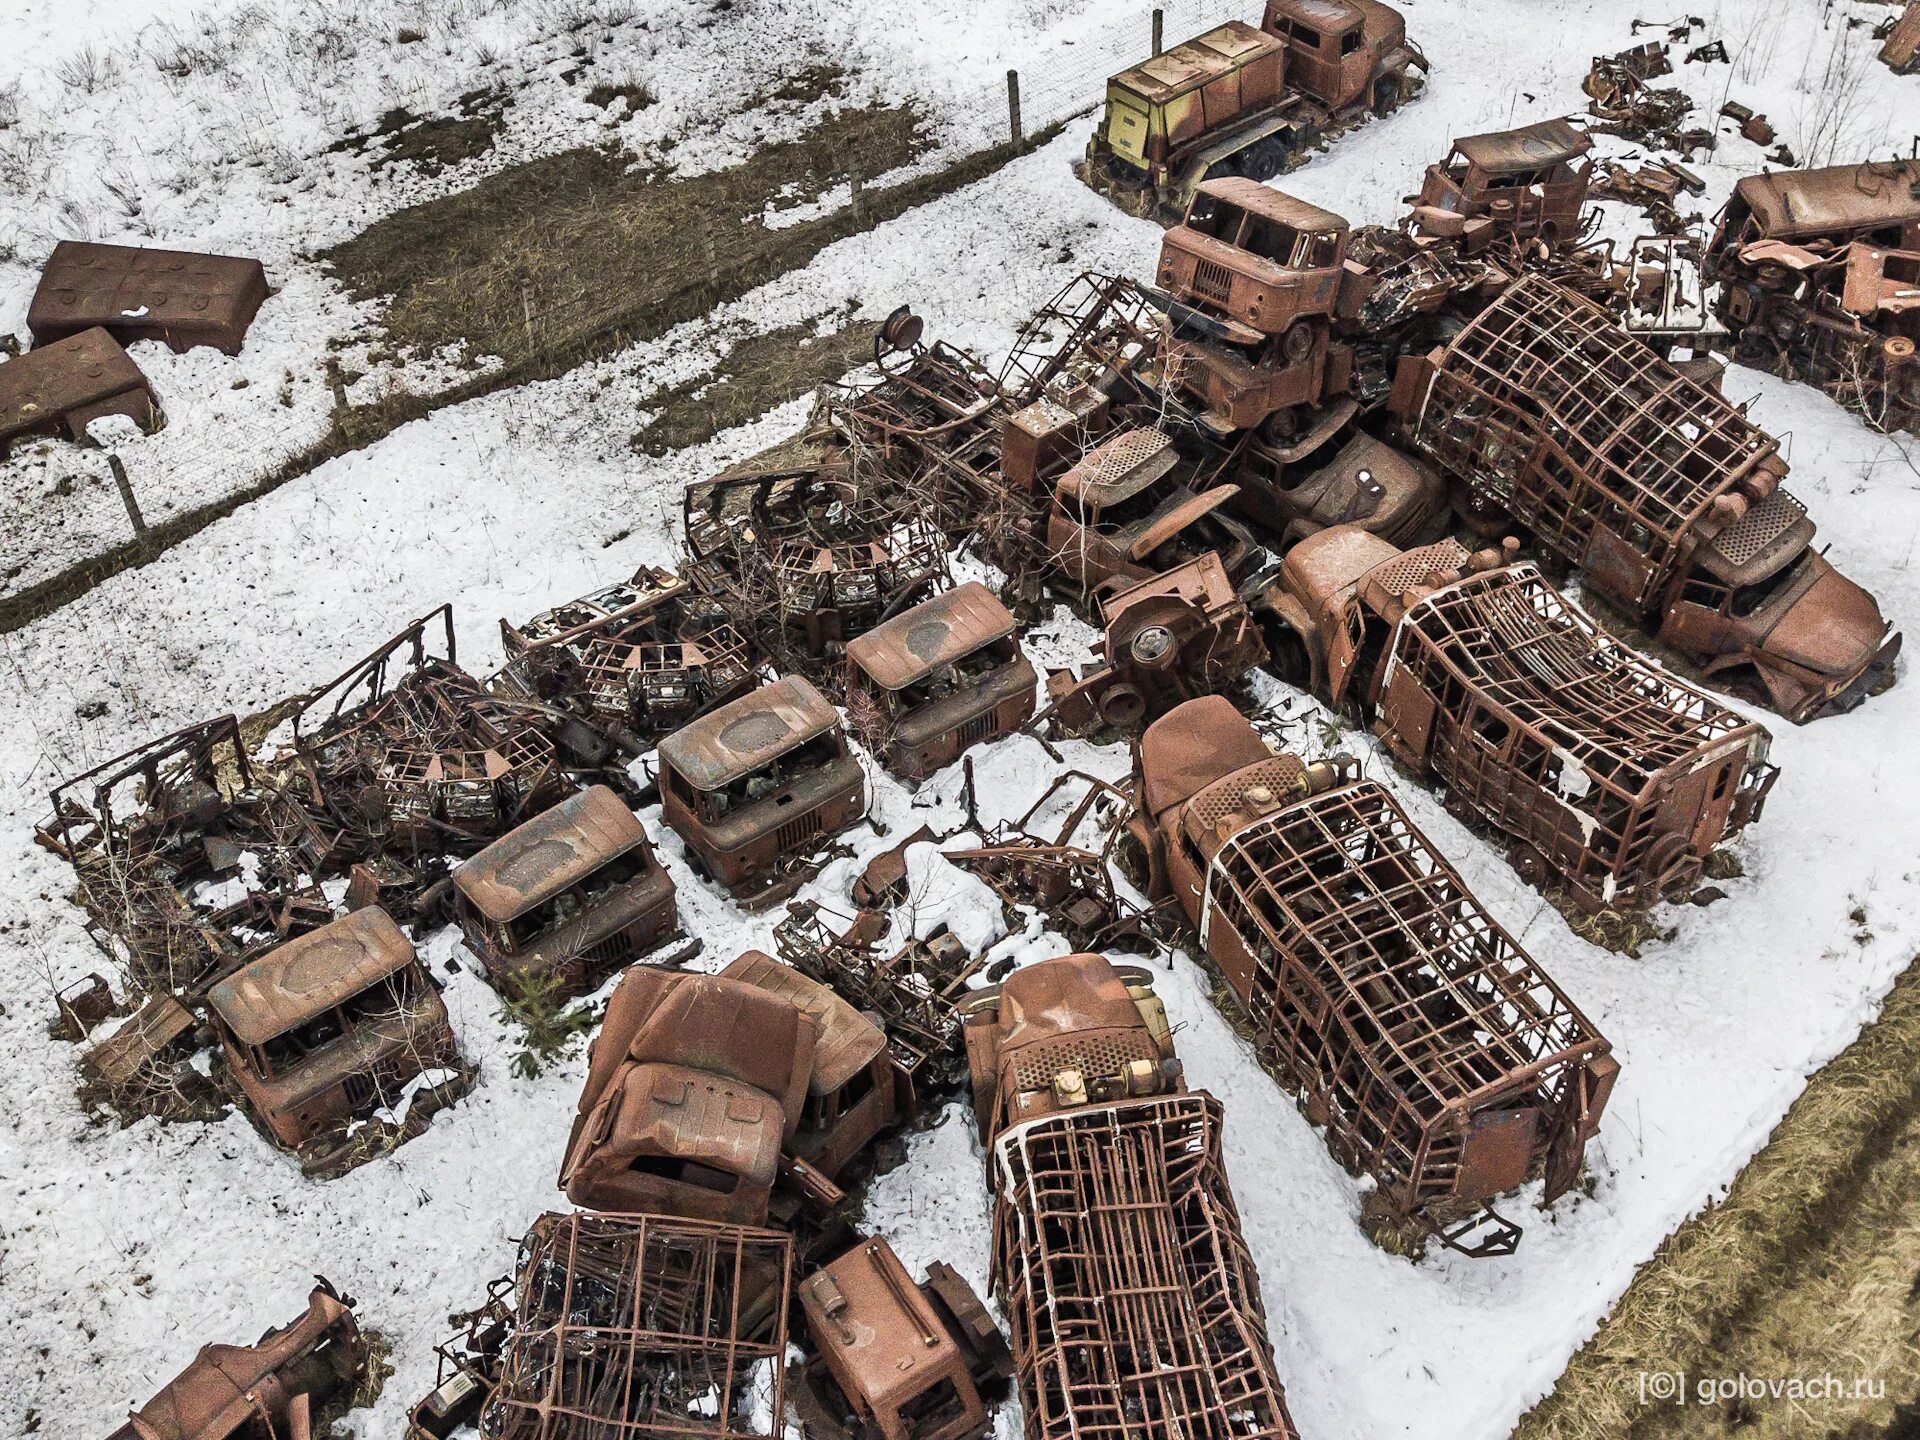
[(940, 678), (1241, 101), (1130, 1296), (1443, 1062), (133, 293), (760, 784), (342, 1025), (1610, 775), (641, 1327), (569, 897), (1513, 187), (631, 661), (1817, 276), (62, 388), (1666, 496), (902, 1361), (274, 1389)]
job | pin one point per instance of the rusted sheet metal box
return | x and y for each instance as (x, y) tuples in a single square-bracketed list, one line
[(65, 386), (134, 294)]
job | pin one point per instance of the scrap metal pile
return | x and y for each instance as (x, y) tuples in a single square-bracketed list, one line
[(1303, 448)]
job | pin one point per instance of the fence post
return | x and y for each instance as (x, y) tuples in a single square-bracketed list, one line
[(1018, 135), (854, 193), (1159, 29), (125, 486)]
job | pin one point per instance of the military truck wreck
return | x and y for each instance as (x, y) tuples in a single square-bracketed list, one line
[(1551, 418), (1131, 1300), (1441, 1060)]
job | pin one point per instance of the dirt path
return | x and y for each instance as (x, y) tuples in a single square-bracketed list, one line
[(1809, 1269)]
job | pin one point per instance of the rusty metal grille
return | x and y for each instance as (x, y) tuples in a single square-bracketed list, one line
[(1544, 404), (795, 834), (1384, 993), (1132, 1300), (1212, 280), (1554, 730), (632, 1326)]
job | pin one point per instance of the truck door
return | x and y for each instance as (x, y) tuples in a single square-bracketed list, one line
[(1343, 648)]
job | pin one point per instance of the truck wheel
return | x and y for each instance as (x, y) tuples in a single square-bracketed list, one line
[(1287, 657), (1386, 95)]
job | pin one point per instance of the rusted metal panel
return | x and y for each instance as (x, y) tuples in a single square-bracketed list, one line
[(550, 853), (65, 386), (1840, 201), (237, 1392), (695, 1084), (939, 631), (1531, 147), (641, 1327), (1901, 49), (1512, 185), (1374, 984), (158, 1026), (179, 298), (743, 736), (309, 975)]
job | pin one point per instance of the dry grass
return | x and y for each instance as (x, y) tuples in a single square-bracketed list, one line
[(1808, 1266), (762, 371)]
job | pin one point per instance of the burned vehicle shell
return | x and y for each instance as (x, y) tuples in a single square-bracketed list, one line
[(1255, 258), (332, 1026), (1818, 276), (1666, 496), (1178, 635), (641, 1327), (908, 1361), (1511, 185), (1122, 513), (854, 1091), (942, 677), (574, 894), (1442, 1060), (133, 293), (1130, 1296), (631, 661), (268, 1389), (695, 1085), (758, 785), (1614, 776), (64, 387), (1367, 483)]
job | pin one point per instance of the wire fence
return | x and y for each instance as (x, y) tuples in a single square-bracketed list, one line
[(102, 512)]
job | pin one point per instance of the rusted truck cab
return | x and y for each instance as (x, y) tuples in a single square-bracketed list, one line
[(1443, 1061), (908, 1361), (1123, 513), (1344, 53), (758, 785), (573, 895), (855, 1093), (695, 1085), (1366, 482), (328, 1028), (942, 677), (1254, 258), (269, 1390), (1509, 185)]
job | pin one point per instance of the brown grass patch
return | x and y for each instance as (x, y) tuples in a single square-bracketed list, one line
[(761, 372)]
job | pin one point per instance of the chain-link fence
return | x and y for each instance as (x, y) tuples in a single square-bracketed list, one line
[(83, 515)]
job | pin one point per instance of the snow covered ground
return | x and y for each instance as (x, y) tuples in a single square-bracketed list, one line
[(123, 1251)]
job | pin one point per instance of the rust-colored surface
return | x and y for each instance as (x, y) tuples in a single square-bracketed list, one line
[(942, 677), (1366, 482), (853, 1092), (1254, 258), (245, 1392), (333, 1026), (900, 1360), (575, 892), (1126, 512), (759, 785), (1901, 49), (1131, 1300), (134, 293), (62, 387), (1661, 491), (1527, 184), (1408, 1022), (695, 1084), (641, 1327)]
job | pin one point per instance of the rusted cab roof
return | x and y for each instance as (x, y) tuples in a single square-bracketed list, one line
[(1794, 204), (1191, 746), (745, 734), (552, 851), (1188, 66), (1528, 148), (849, 1042), (1275, 205), (936, 632), (303, 977), (140, 294), (1119, 467)]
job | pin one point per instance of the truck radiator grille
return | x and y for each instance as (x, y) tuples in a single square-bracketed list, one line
[(1212, 280)]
